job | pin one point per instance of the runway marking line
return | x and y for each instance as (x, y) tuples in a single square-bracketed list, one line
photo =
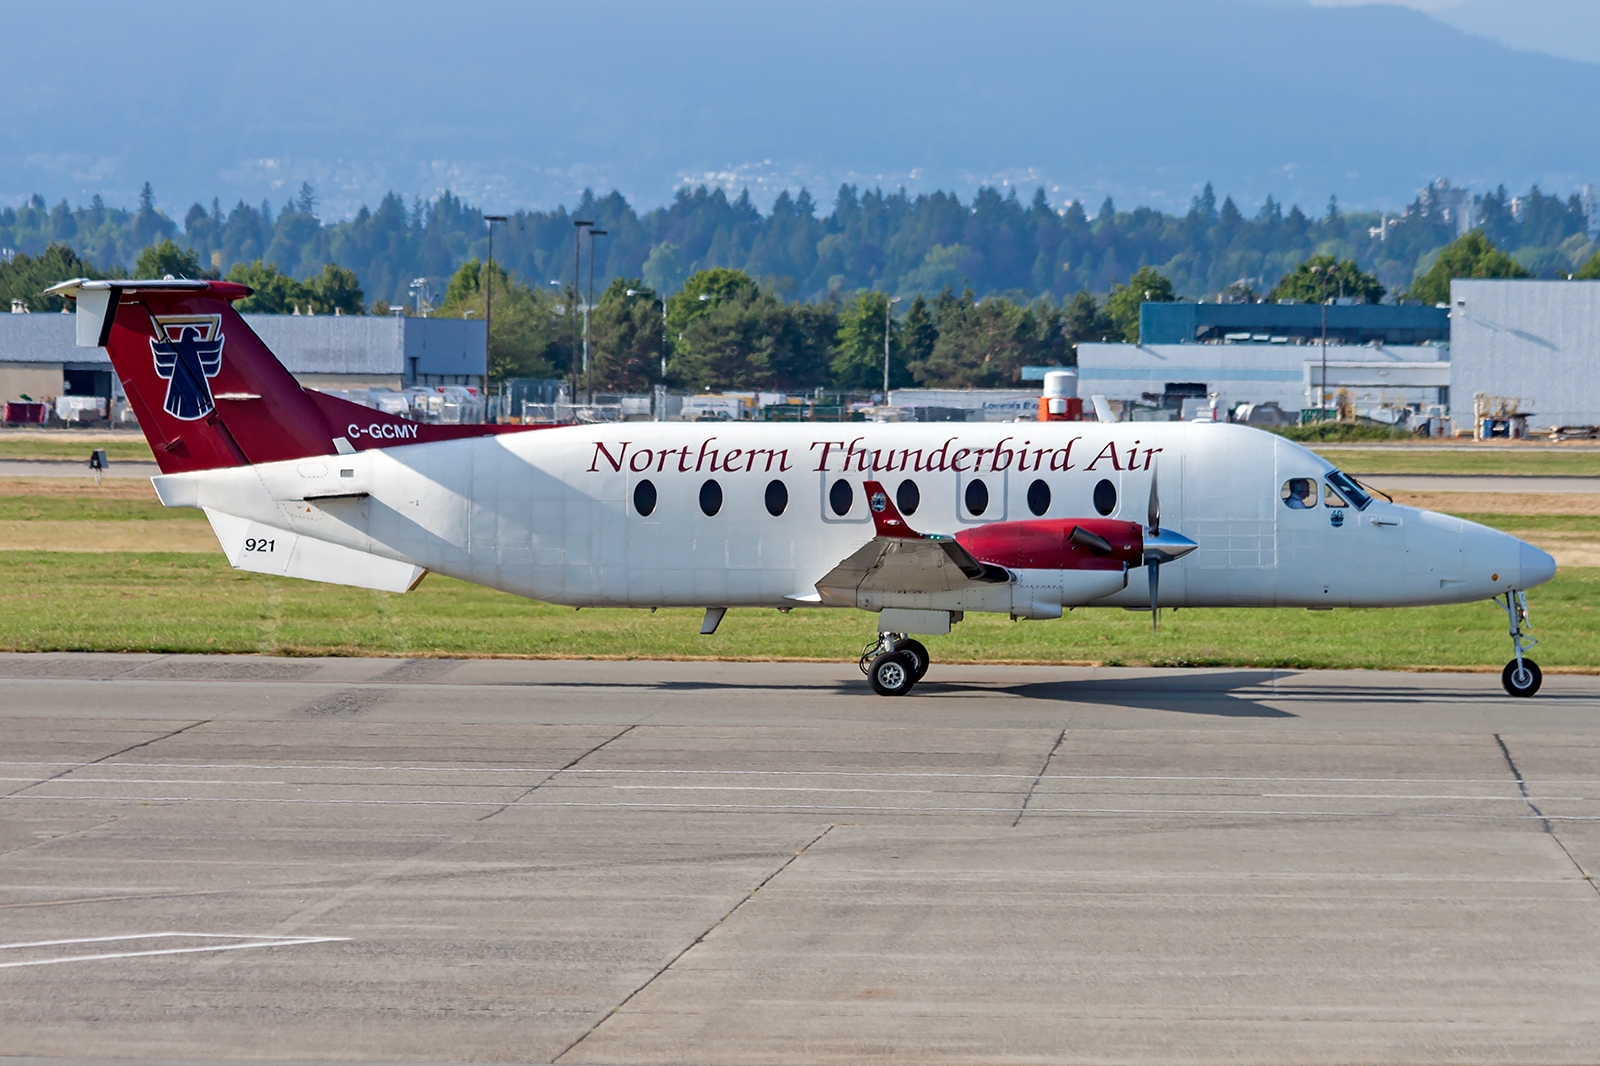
[(819, 807), (249, 941), (310, 767)]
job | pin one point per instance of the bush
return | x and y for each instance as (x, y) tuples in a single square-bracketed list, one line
[(1340, 433)]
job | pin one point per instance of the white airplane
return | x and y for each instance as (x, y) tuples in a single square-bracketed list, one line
[(1025, 519)]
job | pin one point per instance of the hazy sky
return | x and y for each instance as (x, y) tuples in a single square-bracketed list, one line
[(525, 103)]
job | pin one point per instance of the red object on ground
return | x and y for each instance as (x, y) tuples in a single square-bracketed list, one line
[(22, 413), (1073, 412)]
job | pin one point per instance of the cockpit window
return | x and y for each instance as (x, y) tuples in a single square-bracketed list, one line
[(1331, 497), (1346, 486), (1300, 493)]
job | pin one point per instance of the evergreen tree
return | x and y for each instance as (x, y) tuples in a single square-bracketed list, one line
[(1472, 256), (1322, 277), (1146, 286)]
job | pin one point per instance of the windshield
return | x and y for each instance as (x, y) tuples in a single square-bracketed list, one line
[(1347, 487)]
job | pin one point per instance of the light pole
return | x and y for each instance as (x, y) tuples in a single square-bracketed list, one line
[(577, 272), (488, 290), (886, 310), (588, 368), (1322, 387)]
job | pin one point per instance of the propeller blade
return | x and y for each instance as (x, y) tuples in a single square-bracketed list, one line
[(1155, 589), (1155, 506)]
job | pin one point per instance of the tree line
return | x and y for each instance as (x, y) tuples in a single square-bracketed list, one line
[(996, 243), (727, 328), (723, 329)]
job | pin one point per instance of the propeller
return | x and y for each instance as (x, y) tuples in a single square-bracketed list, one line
[(1153, 560), (1160, 546)]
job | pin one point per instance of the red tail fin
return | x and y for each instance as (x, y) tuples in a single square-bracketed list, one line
[(207, 391)]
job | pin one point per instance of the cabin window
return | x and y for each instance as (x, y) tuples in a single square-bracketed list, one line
[(777, 498), (1299, 493), (644, 498), (1331, 497), (1347, 487), (1038, 497), (1105, 497), (840, 497), (710, 497), (908, 497), (977, 497)]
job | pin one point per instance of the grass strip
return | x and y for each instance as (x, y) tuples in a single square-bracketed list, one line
[(1484, 459), (176, 602), (135, 449)]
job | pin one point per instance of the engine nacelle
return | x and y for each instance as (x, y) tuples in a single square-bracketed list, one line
[(1057, 544)]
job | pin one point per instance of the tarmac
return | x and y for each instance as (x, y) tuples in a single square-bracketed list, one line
[(425, 860)]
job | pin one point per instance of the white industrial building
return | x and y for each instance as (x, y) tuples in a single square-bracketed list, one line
[(1380, 380), (978, 405), (38, 356), (1529, 346)]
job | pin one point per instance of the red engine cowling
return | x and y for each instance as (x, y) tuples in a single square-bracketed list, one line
[(1057, 544)]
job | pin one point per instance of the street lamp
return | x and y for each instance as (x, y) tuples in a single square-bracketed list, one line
[(577, 267), (886, 309), (1322, 387), (588, 368), (488, 288)]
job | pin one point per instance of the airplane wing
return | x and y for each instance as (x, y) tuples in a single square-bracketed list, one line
[(898, 559)]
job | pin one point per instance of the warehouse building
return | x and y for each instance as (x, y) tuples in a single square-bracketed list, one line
[(1527, 347), (38, 356), (1348, 322), (1382, 381)]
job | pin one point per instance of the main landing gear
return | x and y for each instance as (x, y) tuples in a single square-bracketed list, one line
[(893, 663), (1522, 676)]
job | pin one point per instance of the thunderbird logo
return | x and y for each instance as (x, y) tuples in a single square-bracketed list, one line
[(188, 353), (879, 503)]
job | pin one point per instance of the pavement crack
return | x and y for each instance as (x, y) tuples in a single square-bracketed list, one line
[(1527, 797), (555, 773), (1039, 776), (746, 898), (106, 758)]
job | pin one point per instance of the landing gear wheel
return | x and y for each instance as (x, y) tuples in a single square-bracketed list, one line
[(1524, 682), (892, 673), (918, 653)]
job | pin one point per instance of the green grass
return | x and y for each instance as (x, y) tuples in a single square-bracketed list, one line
[(67, 445), (1538, 523), (90, 508), (1468, 459), (172, 602)]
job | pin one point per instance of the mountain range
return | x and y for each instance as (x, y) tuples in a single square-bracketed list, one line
[(524, 105)]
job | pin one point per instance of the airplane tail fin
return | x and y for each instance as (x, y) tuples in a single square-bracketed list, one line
[(209, 393)]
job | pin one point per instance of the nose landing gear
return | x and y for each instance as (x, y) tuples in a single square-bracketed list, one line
[(1522, 676), (893, 663)]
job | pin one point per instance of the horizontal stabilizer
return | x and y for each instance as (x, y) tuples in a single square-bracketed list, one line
[(264, 550)]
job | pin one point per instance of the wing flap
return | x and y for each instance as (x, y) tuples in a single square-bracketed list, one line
[(900, 560)]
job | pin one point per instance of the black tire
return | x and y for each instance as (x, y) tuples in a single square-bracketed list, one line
[(892, 674), (1526, 685), (918, 653)]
